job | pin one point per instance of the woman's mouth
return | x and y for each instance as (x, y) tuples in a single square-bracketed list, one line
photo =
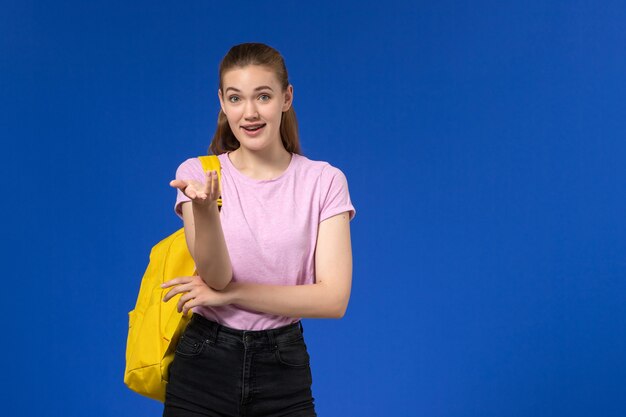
[(253, 130)]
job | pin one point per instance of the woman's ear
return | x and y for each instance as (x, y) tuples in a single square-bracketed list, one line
[(221, 97), (288, 98)]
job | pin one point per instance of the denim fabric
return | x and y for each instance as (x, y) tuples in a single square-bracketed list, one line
[(219, 371)]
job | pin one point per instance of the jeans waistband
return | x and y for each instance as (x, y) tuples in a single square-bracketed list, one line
[(248, 338)]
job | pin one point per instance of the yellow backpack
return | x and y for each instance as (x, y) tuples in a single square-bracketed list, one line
[(154, 326)]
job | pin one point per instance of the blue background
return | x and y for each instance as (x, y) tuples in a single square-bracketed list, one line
[(484, 145)]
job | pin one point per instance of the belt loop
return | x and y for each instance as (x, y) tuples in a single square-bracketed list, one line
[(214, 330), (271, 339)]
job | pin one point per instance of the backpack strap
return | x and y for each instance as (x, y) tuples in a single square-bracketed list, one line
[(210, 162)]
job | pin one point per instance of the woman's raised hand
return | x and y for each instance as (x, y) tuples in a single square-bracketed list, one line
[(205, 194)]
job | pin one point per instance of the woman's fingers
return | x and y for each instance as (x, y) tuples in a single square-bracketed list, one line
[(184, 299), (207, 182), (186, 188), (171, 293), (192, 189), (189, 305), (194, 293), (195, 190), (215, 189), (181, 285), (212, 185), (180, 184), (176, 281), (209, 185)]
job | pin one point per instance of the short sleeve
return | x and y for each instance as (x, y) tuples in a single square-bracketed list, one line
[(335, 196), (191, 169)]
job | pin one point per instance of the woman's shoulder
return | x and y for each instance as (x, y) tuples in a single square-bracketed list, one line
[(195, 164), (334, 193), (318, 168), (223, 157), (189, 168)]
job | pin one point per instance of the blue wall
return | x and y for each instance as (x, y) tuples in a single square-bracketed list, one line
[(484, 145)]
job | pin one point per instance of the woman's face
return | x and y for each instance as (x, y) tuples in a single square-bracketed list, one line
[(253, 99)]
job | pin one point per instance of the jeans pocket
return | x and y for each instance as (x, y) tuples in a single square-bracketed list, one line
[(190, 343), (294, 355)]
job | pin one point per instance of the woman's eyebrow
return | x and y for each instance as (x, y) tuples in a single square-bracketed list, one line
[(263, 87)]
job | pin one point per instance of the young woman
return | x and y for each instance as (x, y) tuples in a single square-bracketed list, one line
[(278, 250)]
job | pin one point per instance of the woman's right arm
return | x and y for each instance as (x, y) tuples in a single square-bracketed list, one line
[(204, 234)]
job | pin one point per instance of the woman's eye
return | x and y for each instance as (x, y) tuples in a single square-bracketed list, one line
[(232, 99), (264, 97)]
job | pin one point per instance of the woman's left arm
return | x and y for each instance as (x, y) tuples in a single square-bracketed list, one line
[(328, 297)]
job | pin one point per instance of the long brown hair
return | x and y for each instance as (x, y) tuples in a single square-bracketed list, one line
[(243, 55)]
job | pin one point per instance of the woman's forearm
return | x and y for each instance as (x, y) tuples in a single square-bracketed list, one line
[(312, 300), (210, 251)]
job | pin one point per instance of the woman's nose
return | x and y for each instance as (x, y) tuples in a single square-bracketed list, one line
[(251, 111)]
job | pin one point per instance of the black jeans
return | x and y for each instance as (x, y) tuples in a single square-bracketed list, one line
[(219, 371)]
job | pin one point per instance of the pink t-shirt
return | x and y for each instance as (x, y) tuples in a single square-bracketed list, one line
[(270, 227)]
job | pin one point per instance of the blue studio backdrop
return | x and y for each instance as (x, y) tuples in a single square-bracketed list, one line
[(484, 146)]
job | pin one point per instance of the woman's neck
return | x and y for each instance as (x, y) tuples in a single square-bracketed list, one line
[(262, 165)]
